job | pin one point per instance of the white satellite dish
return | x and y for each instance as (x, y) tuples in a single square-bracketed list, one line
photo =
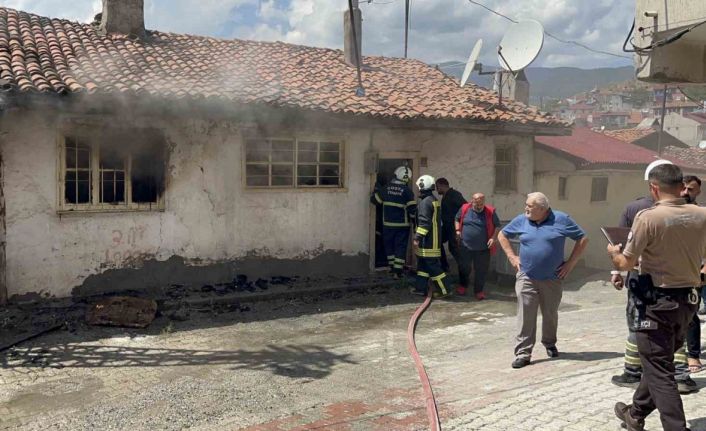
[(521, 45), (702, 145), (471, 63)]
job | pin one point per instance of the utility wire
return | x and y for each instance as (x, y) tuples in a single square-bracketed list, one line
[(568, 42)]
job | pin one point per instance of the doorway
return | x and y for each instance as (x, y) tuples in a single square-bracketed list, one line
[(385, 173)]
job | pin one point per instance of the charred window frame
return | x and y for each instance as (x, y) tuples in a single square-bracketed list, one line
[(272, 163), (111, 170), (505, 168)]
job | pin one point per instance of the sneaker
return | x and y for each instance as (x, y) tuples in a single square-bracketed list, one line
[(520, 362), (460, 290), (414, 291), (626, 381), (687, 386), (552, 352), (622, 411), (480, 296)]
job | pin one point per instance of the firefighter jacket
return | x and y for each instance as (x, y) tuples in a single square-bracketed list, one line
[(398, 204), (428, 232)]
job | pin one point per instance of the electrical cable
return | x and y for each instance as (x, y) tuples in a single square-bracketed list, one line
[(558, 39), (432, 411), (662, 42)]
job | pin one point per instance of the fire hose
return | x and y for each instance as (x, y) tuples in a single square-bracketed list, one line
[(432, 412)]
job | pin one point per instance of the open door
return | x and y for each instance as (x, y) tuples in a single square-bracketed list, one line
[(386, 171)]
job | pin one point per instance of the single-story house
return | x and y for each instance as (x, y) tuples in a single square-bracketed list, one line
[(133, 158), (592, 177), (648, 138), (689, 128)]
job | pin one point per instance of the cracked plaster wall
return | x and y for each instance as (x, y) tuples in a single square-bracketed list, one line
[(210, 218)]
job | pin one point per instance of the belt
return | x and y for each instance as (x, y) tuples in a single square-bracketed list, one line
[(688, 293)]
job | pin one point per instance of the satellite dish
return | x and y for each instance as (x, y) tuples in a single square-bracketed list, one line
[(520, 45), (702, 145), (471, 63)]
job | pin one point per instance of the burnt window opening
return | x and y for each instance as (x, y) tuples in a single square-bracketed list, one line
[(279, 163), (113, 170)]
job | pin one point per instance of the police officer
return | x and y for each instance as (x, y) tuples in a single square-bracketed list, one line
[(427, 240), (670, 240), (632, 371), (398, 207)]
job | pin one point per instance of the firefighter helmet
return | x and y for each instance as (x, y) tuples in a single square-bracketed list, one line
[(425, 182), (653, 165), (403, 173)]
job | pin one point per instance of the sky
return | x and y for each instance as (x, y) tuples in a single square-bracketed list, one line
[(441, 30)]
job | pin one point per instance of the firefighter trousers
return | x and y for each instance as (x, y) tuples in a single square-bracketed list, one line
[(396, 240), (429, 268)]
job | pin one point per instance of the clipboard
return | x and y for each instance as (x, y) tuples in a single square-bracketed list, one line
[(616, 235)]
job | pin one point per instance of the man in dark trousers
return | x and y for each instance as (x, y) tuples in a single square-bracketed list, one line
[(692, 190), (427, 241), (632, 369), (670, 240), (451, 201), (398, 208), (476, 228)]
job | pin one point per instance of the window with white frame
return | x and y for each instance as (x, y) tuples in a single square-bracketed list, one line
[(111, 171), (505, 168), (293, 163)]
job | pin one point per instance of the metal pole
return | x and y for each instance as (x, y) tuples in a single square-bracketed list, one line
[(360, 91), (661, 122), (406, 26)]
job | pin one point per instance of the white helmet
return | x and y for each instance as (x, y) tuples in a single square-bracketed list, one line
[(403, 173), (653, 165), (425, 182)]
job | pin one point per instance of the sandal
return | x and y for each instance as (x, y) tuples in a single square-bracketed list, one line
[(696, 368)]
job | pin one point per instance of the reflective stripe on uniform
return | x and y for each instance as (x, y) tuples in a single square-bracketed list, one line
[(422, 231), (423, 274), (435, 231), (393, 204), (439, 279), (410, 203), (377, 198), (632, 361), (426, 252), (405, 223)]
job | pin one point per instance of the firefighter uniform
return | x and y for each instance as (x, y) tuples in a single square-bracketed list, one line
[(398, 208), (428, 236)]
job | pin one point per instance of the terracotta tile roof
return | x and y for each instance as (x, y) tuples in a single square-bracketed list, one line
[(587, 148), (629, 135), (692, 156), (699, 117), (594, 150), (45, 55)]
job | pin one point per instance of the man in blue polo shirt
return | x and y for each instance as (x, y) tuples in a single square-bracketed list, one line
[(540, 269)]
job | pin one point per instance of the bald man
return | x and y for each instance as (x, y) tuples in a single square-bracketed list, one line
[(476, 227)]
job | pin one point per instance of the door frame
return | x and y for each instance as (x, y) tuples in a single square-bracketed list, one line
[(411, 155)]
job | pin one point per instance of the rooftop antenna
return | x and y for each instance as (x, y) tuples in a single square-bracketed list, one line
[(471, 63), (518, 48)]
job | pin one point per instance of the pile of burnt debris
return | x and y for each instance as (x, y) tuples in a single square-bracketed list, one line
[(21, 321)]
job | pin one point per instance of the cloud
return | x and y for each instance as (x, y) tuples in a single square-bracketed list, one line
[(441, 30)]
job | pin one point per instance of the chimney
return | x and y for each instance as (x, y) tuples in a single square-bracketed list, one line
[(124, 17), (350, 42), (514, 88)]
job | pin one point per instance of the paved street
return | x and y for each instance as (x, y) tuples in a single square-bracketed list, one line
[(329, 364)]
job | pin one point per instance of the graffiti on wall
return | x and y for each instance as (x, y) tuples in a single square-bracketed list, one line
[(126, 245)]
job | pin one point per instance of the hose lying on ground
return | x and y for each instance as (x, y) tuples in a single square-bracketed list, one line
[(432, 412)]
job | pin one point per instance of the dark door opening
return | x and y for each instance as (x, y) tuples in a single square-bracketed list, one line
[(386, 172)]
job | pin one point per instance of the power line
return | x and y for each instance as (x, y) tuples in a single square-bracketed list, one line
[(568, 42)]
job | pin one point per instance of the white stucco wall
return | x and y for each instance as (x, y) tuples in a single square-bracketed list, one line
[(682, 128), (623, 187), (210, 217)]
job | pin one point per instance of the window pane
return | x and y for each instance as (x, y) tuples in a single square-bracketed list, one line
[(282, 145), (147, 175), (282, 170), (330, 146), (70, 192), (282, 156), (84, 158), (120, 191), (328, 170), (257, 150), (70, 157), (70, 176), (256, 170), (306, 181), (328, 156), (107, 194), (84, 192), (306, 170), (111, 159), (257, 181), (330, 181), (307, 156), (308, 146), (282, 181), (83, 175)]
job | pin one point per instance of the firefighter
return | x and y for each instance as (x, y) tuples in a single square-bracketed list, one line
[(427, 240), (398, 208)]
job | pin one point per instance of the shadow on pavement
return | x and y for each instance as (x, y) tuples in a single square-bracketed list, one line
[(582, 356), (308, 361), (697, 424)]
